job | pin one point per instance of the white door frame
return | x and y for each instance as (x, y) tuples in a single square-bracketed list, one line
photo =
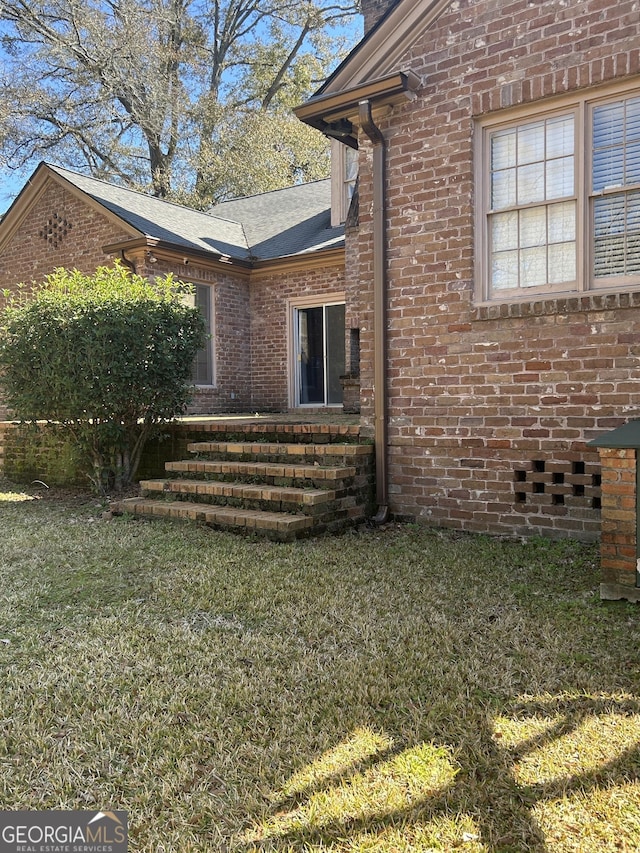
[(295, 305)]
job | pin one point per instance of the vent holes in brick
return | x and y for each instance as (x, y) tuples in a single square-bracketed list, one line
[(55, 230), (521, 477), (546, 485)]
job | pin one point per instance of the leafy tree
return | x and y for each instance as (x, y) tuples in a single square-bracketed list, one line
[(145, 91), (107, 356)]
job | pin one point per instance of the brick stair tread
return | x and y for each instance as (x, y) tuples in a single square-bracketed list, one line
[(297, 431), (257, 448), (261, 469), (278, 522), (307, 497)]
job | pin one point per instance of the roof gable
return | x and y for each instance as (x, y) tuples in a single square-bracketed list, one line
[(272, 225), (380, 52), (30, 195)]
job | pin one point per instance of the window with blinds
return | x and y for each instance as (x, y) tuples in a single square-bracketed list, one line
[(559, 199), (616, 189), (533, 210)]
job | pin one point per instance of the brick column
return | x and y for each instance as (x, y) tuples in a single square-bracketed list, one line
[(373, 10), (618, 547)]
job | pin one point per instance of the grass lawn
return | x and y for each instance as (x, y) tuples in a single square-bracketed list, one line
[(391, 690)]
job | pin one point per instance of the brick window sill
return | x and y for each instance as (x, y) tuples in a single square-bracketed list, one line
[(556, 305)]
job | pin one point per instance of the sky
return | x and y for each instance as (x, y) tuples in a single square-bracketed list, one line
[(11, 183)]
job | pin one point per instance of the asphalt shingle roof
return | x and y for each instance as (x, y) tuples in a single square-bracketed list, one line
[(277, 224), (285, 222), (161, 219)]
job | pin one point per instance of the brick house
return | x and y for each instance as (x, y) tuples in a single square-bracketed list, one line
[(263, 269), (499, 139), (482, 305)]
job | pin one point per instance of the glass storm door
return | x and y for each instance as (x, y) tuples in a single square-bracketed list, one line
[(320, 358)]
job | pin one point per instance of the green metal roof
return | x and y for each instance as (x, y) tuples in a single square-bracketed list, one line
[(625, 436)]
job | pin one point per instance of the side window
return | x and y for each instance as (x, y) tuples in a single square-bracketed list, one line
[(349, 178), (532, 207), (558, 197), (203, 363), (616, 190), (344, 174)]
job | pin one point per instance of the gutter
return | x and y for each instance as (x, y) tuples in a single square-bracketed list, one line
[(334, 114), (380, 308)]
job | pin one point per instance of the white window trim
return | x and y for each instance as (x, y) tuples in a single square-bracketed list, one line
[(212, 332), (581, 105), (317, 301), (339, 202)]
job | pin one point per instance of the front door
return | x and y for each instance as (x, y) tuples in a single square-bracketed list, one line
[(320, 356)]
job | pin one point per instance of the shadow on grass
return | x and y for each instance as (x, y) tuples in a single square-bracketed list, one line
[(470, 794), (433, 693)]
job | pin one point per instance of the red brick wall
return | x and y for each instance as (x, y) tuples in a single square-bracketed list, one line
[(271, 295), (480, 397), (618, 542), (373, 10), (60, 230)]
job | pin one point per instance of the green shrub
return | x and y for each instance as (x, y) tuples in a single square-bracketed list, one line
[(108, 356)]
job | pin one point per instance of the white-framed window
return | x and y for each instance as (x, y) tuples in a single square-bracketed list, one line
[(344, 174), (202, 373), (558, 199)]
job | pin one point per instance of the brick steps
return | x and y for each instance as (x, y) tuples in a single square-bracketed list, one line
[(220, 516), (265, 471), (284, 451), (274, 482), (237, 491)]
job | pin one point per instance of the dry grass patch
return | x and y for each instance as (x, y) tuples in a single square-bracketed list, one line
[(395, 690)]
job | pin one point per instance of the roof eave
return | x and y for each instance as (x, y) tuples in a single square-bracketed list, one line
[(170, 251), (329, 112), (331, 256)]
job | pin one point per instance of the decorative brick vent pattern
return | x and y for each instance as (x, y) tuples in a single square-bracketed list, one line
[(55, 230), (549, 483)]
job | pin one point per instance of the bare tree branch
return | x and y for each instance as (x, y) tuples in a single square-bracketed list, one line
[(144, 90)]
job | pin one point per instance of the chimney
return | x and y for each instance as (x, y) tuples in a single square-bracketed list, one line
[(373, 10)]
